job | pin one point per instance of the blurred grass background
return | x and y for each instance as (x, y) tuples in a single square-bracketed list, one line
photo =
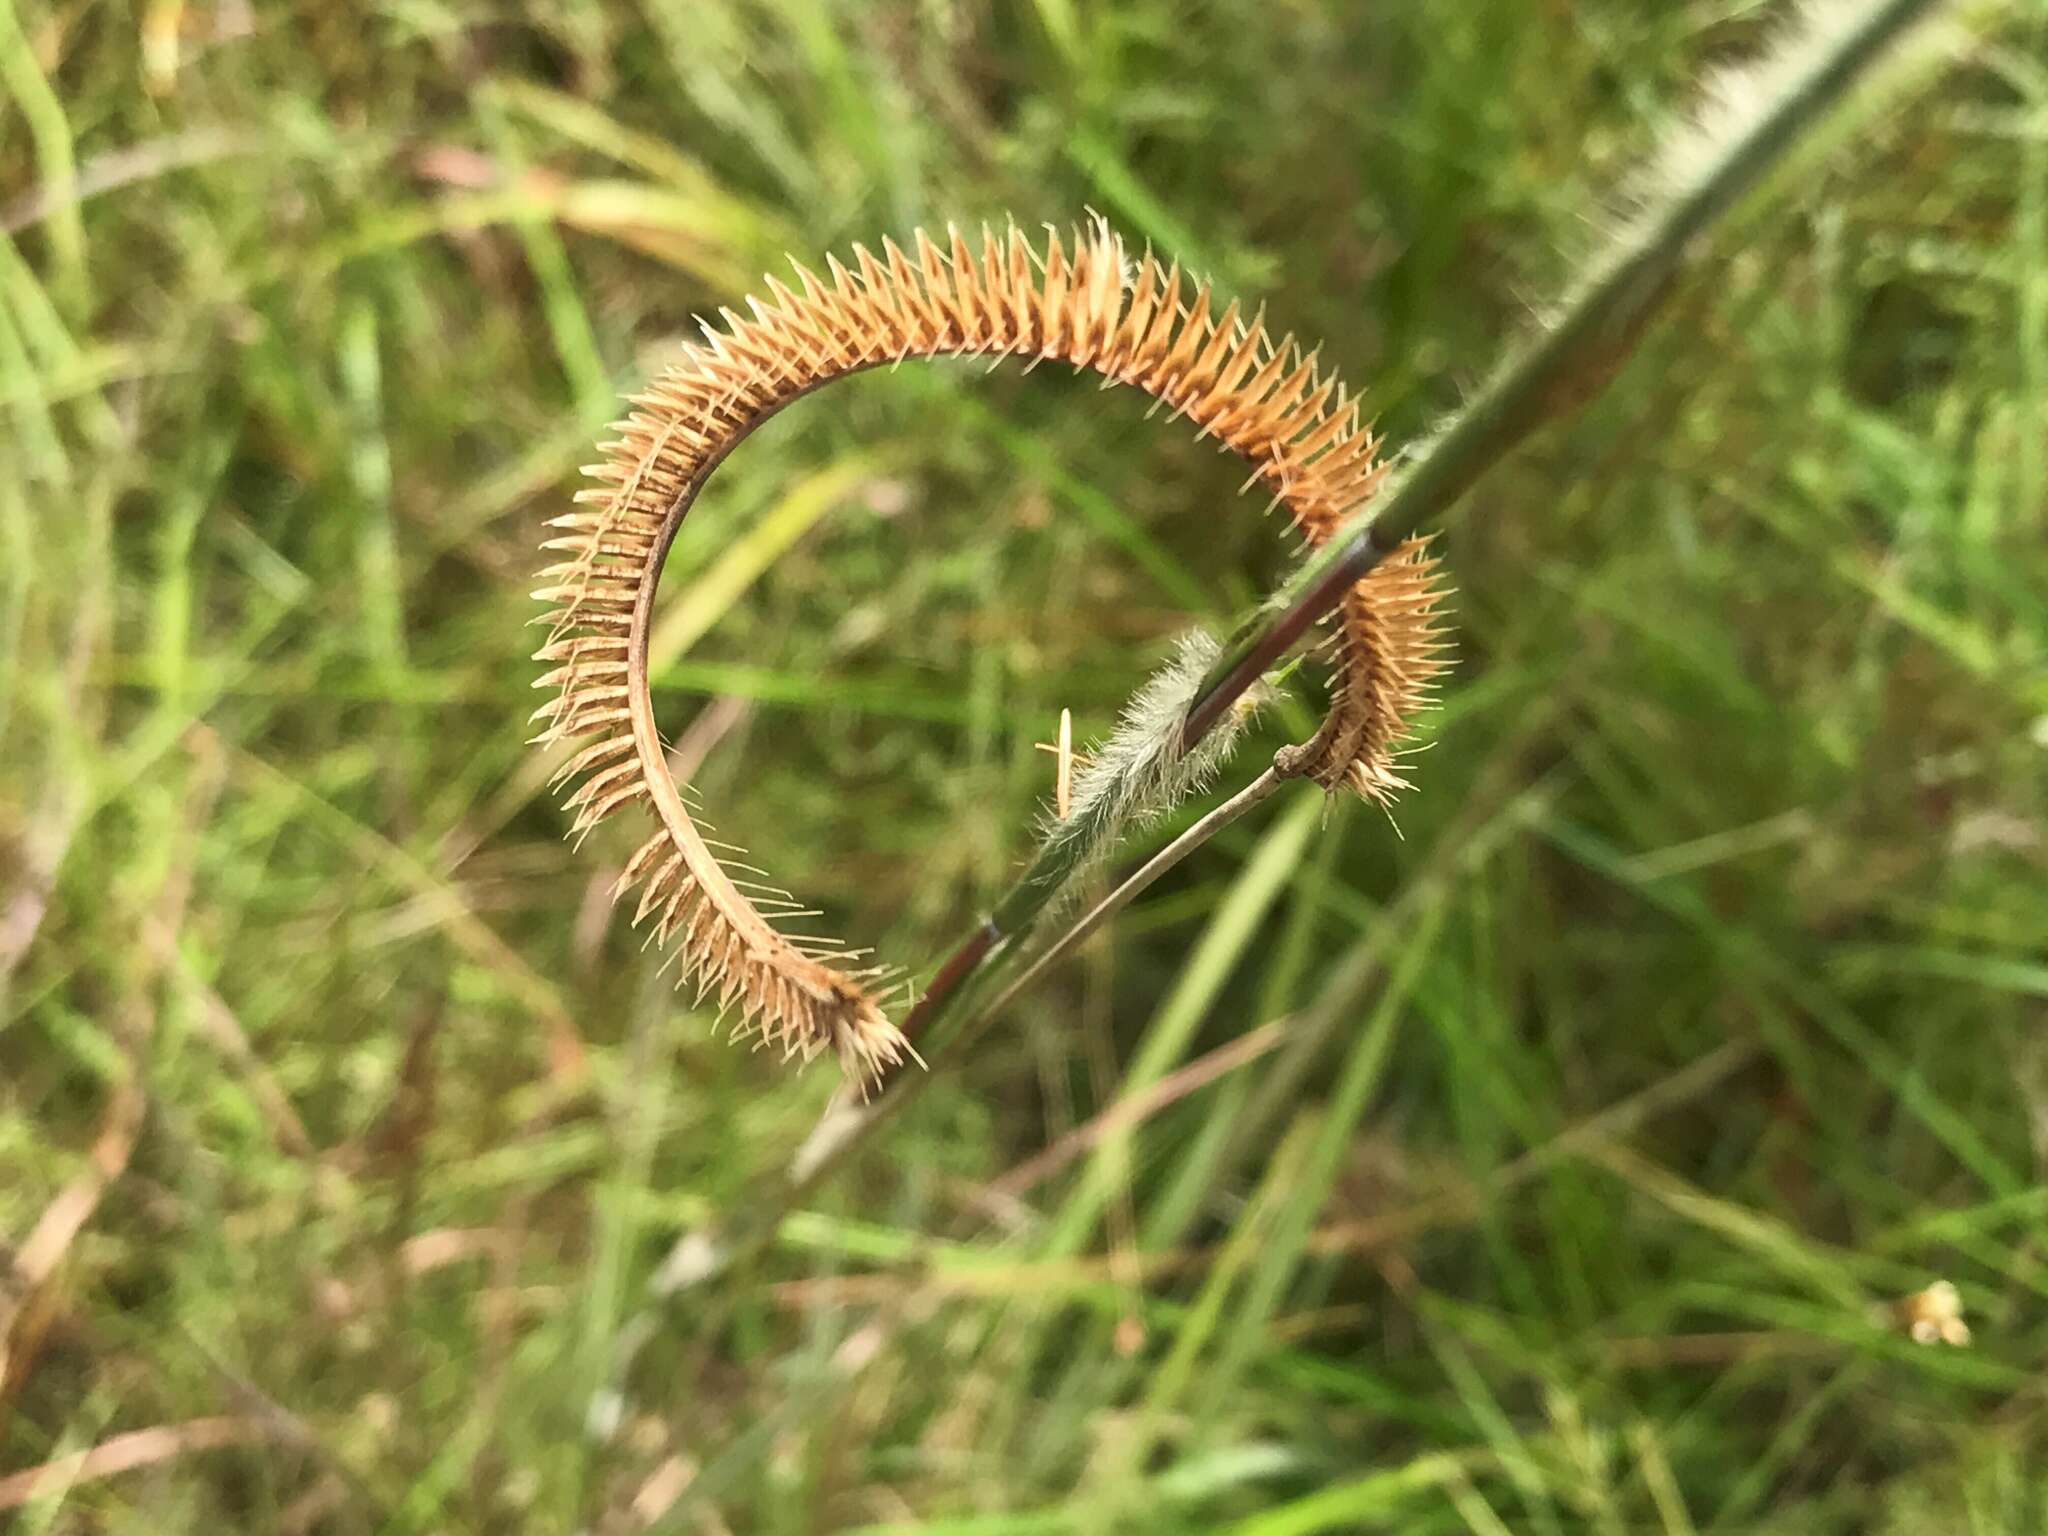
[(1545, 1165)]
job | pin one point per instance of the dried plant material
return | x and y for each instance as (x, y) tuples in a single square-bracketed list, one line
[(425, 1252), (65, 1216), (1932, 1316), (124, 1453), (1083, 301), (24, 1309), (1135, 1108), (1062, 751), (667, 1483), (1389, 645)]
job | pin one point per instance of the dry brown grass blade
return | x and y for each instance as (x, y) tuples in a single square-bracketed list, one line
[(1083, 300), (125, 1453), (26, 1306), (65, 1216), (658, 1494), (1126, 1113)]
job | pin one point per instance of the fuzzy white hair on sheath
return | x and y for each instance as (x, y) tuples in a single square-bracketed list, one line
[(1141, 771), (1799, 46)]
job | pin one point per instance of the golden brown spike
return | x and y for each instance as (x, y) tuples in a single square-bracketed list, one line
[(1084, 301)]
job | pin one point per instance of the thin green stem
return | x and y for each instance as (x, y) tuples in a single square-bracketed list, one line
[(1568, 362), (1133, 886)]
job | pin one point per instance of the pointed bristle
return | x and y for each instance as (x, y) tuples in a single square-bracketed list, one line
[(1389, 645)]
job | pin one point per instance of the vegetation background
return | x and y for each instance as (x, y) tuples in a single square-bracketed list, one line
[(1547, 1164)]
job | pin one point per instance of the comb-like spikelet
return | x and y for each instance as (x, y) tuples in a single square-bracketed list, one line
[(1084, 302), (1391, 639)]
